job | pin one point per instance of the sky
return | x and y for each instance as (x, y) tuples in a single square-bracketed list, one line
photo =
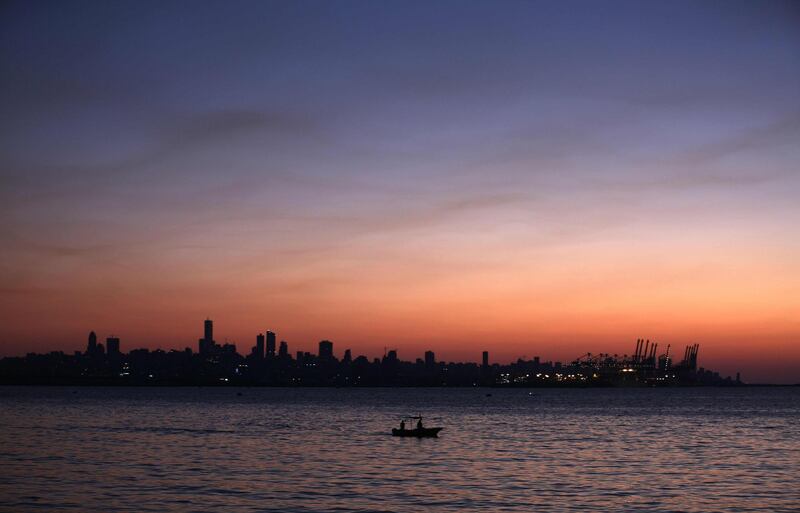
[(529, 178)]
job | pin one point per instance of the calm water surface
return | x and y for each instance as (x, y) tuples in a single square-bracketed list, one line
[(212, 449)]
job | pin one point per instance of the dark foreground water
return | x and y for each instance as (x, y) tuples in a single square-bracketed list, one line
[(201, 449)]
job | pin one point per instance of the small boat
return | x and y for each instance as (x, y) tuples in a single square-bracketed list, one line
[(418, 432)]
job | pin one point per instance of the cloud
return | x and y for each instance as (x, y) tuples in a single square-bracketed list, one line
[(683, 180), (214, 127), (783, 131), (174, 136), (28, 184), (706, 165), (32, 255), (414, 213)]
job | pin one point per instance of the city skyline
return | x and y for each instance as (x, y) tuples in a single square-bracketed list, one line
[(265, 345), (551, 177), (222, 364)]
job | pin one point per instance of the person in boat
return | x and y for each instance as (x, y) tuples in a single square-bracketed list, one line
[(402, 425), (419, 423)]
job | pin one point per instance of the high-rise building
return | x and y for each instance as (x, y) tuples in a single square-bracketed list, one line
[(112, 346), (326, 350), (91, 346), (270, 344), (208, 329), (485, 361), (430, 359), (283, 352), (259, 346), (348, 356), (206, 344)]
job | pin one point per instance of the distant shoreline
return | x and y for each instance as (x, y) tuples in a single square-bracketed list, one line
[(113, 384)]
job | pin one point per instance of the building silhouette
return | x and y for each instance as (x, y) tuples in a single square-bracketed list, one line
[(259, 349), (326, 350), (206, 345), (112, 346), (208, 329), (430, 359), (270, 344), (91, 345)]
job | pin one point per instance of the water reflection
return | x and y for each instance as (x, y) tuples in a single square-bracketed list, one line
[(325, 449)]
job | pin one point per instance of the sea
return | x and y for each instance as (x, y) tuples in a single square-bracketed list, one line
[(196, 449)]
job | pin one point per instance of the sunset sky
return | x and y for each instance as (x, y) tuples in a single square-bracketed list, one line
[(531, 178)]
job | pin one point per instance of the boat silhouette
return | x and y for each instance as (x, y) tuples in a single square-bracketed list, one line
[(418, 432)]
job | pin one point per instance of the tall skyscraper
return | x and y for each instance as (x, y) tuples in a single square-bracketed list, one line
[(283, 352), (485, 359), (270, 344), (260, 346), (430, 359), (91, 346), (326, 350), (112, 346), (208, 329), (348, 356), (206, 344)]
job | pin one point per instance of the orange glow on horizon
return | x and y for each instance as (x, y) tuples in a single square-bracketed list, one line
[(557, 302)]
